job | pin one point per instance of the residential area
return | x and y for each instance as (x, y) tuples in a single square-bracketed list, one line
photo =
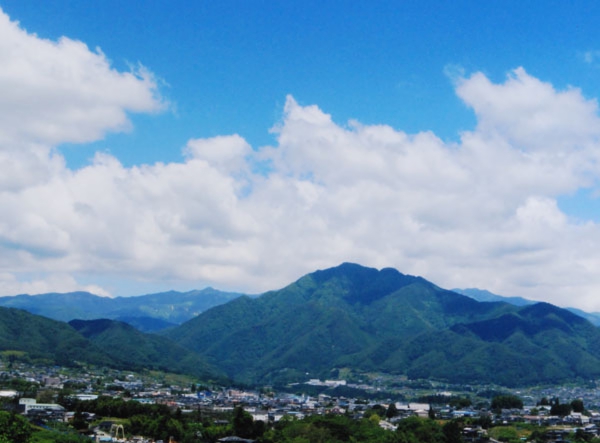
[(49, 396)]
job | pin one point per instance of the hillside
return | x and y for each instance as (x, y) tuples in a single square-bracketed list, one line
[(43, 339), (537, 343), (483, 295), (148, 313), (138, 350), (36, 339)]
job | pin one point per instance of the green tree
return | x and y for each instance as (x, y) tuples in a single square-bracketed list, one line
[(506, 402), (559, 409), (538, 436), (243, 423), (392, 411), (582, 436), (419, 430), (13, 428), (460, 402), (431, 412), (374, 418), (452, 432), (79, 422), (485, 421), (577, 405)]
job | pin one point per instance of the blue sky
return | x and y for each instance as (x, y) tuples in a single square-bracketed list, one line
[(227, 66), (256, 141)]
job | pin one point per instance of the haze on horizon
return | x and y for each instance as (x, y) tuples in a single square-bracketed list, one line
[(180, 146)]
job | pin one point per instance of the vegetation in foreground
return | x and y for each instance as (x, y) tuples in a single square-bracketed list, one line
[(160, 422)]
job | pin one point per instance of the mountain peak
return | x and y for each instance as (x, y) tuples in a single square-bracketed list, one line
[(363, 284)]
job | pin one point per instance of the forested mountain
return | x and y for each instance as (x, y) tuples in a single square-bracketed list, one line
[(349, 316), (361, 318), (151, 312), (483, 295), (138, 350), (36, 339), (534, 344)]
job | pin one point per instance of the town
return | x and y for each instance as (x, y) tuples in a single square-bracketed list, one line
[(67, 399)]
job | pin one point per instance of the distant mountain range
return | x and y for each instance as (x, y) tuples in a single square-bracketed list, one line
[(483, 295), (344, 318), (147, 313)]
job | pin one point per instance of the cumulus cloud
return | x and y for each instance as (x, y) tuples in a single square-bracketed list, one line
[(479, 212), (531, 114), (55, 92)]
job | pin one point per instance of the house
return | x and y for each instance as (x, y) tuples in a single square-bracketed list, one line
[(591, 429), (474, 435), (419, 409), (578, 418)]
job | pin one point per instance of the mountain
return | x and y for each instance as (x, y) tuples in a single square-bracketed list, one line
[(344, 316), (37, 338), (483, 295), (138, 350), (538, 343), (592, 317), (381, 320), (349, 316), (148, 313)]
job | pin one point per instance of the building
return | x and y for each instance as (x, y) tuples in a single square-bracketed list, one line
[(27, 405)]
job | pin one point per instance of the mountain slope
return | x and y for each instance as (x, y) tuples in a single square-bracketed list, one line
[(138, 350), (483, 295), (49, 340), (537, 343), (343, 316), (39, 339)]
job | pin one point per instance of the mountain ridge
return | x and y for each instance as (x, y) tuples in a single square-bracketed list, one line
[(40, 340), (325, 319), (138, 350), (346, 317), (148, 313), (485, 295), (382, 320)]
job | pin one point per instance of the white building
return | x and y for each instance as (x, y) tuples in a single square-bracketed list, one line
[(30, 404)]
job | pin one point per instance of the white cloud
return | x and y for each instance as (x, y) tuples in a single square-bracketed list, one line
[(55, 92), (10, 285), (531, 114), (480, 212)]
